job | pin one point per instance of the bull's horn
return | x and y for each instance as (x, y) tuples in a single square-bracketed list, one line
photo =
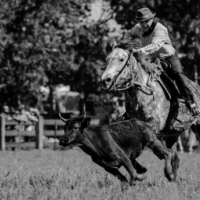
[(63, 119)]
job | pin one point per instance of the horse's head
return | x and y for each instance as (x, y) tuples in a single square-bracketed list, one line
[(121, 69), (118, 73)]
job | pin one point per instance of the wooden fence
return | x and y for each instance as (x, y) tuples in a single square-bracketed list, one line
[(49, 128)]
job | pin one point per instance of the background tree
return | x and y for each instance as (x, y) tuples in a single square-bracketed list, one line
[(48, 43)]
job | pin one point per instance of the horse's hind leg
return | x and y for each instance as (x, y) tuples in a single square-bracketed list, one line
[(192, 139), (180, 145)]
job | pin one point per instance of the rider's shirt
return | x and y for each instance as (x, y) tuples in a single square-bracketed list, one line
[(157, 44)]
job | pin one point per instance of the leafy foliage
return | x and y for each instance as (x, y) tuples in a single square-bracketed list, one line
[(47, 43)]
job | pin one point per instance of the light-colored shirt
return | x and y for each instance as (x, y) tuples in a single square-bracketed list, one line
[(157, 44)]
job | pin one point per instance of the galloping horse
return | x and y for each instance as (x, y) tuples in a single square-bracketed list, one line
[(148, 98)]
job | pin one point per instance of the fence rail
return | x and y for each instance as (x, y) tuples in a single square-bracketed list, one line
[(43, 128)]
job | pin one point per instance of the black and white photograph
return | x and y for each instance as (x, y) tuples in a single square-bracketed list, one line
[(99, 100)]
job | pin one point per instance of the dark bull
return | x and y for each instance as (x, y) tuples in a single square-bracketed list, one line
[(114, 145)]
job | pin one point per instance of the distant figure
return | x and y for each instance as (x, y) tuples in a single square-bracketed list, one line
[(25, 114), (187, 142), (81, 103)]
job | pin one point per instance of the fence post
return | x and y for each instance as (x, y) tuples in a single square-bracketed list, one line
[(55, 133), (39, 133), (3, 132)]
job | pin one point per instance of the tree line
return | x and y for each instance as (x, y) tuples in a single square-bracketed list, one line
[(47, 42)]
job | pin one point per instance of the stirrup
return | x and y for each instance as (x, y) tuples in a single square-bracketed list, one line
[(195, 111)]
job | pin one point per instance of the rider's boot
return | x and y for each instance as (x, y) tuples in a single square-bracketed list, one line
[(187, 93), (182, 83)]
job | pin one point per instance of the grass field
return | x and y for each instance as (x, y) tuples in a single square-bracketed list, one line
[(55, 175)]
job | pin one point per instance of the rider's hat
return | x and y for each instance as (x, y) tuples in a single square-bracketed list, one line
[(144, 14)]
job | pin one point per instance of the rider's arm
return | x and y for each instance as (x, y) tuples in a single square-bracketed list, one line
[(158, 40)]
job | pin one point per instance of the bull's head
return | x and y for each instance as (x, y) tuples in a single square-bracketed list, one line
[(73, 129)]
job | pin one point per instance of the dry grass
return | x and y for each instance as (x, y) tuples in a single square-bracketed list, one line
[(55, 175)]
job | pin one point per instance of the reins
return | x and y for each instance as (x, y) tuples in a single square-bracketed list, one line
[(118, 75), (133, 82)]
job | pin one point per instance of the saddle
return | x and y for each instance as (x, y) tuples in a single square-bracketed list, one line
[(157, 73), (168, 84), (179, 108)]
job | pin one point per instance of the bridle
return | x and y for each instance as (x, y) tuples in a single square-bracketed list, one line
[(132, 82), (115, 79)]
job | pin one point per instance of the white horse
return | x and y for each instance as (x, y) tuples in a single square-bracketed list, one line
[(146, 96)]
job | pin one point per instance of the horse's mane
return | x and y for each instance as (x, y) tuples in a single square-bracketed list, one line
[(133, 41)]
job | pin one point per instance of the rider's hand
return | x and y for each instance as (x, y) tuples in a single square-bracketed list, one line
[(135, 50)]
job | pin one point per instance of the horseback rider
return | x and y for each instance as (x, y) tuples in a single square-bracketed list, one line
[(157, 44)]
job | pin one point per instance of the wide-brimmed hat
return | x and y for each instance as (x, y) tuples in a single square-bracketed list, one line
[(144, 14)]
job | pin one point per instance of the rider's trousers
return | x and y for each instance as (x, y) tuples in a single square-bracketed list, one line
[(176, 72)]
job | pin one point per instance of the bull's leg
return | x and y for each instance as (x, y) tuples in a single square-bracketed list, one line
[(171, 143), (163, 153), (126, 162), (139, 168), (114, 171), (116, 153), (119, 155)]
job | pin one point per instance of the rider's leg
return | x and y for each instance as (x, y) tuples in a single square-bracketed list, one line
[(180, 78)]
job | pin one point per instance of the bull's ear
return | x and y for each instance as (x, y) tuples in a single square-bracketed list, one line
[(85, 123)]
